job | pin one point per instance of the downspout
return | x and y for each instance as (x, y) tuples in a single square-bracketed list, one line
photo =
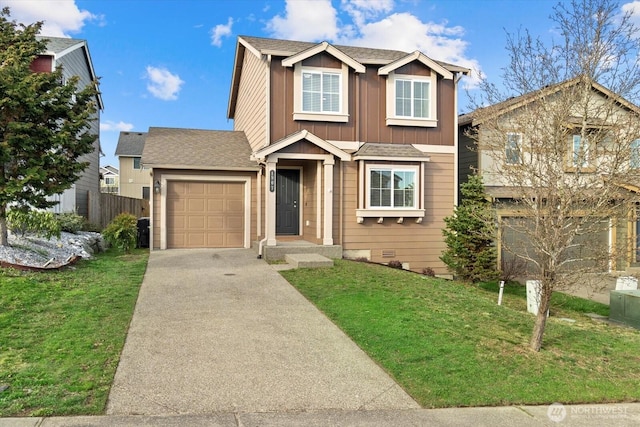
[(455, 140), (267, 137)]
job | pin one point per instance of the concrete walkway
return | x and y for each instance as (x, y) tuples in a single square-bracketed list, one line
[(219, 338), (221, 331)]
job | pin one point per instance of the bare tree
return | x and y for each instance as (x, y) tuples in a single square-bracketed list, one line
[(563, 143)]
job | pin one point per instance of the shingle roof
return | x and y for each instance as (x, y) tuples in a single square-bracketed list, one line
[(391, 151), (363, 55), (131, 144), (197, 149), (60, 44)]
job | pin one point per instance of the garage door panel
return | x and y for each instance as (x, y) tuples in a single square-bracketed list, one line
[(205, 214)]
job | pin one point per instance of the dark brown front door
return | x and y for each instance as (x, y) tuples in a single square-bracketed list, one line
[(288, 202)]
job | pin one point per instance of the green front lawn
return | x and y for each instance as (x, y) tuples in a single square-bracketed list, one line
[(61, 334), (450, 344)]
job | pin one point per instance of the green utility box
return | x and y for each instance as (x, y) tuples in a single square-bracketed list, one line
[(624, 307)]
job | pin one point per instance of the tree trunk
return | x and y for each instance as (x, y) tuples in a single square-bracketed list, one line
[(4, 238), (541, 318)]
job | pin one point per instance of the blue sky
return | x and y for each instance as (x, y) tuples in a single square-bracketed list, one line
[(168, 62)]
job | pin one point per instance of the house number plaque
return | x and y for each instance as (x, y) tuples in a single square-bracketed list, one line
[(272, 181)]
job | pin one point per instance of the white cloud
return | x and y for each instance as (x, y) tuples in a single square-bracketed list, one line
[(163, 84), (61, 17), (633, 8), (310, 20), (110, 126), (220, 31), (372, 23)]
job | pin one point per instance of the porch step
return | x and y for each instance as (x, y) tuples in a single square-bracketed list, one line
[(308, 260)]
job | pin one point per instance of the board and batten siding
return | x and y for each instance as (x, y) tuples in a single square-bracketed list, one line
[(75, 63), (250, 112), (367, 110), (420, 245)]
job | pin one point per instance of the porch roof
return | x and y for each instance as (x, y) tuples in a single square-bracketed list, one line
[(300, 136)]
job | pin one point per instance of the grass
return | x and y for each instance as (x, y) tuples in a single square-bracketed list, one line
[(449, 344), (61, 334)]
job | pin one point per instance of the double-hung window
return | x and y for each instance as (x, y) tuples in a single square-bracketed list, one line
[(513, 147), (321, 92), (392, 188), (634, 158), (413, 98), (580, 152), (137, 163)]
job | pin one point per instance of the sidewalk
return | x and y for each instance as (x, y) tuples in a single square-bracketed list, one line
[(613, 415)]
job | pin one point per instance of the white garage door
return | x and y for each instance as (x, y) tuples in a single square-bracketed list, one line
[(204, 214)]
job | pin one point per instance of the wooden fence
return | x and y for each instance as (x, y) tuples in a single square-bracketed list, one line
[(104, 207)]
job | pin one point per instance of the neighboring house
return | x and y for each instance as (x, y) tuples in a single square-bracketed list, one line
[(476, 142), (73, 57), (347, 148), (109, 179), (134, 178)]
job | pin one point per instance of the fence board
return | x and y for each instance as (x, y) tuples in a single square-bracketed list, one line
[(111, 205)]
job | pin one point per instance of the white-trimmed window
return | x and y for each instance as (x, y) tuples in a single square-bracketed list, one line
[(513, 149), (320, 94), (137, 163), (392, 187), (579, 152), (634, 158), (411, 100), (109, 180)]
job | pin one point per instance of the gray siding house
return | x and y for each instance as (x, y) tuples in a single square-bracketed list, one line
[(72, 55)]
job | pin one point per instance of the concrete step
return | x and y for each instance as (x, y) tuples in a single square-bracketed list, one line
[(308, 260)]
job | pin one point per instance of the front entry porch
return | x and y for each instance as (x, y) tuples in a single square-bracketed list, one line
[(285, 247)]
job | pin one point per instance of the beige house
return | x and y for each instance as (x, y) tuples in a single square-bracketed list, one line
[(494, 143), (342, 149), (135, 179), (109, 179)]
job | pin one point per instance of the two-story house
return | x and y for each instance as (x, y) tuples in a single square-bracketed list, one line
[(109, 179), (72, 55), (134, 178), (569, 150), (347, 148)]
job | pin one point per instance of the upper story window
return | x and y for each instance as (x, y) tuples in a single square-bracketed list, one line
[(320, 94), (634, 158), (579, 152), (411, 100), (109, 180), (513, 149), (137, 163)]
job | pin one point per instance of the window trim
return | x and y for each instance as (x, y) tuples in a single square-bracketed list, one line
[(393, 119), (417, 211), (326, 116), (587, 157), (139, 163), (109, 180)]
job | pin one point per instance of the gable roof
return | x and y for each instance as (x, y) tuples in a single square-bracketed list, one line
[(420, 57), (61, 46), (300, 136), (324, 47), (130, 144), (173, 148), (522, 100), (295, 51), (108, 169)]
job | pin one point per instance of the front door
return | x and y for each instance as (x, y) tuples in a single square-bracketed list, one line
[(288, 202)]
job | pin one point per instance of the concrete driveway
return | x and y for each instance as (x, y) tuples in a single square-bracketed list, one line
[(221, 331)]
